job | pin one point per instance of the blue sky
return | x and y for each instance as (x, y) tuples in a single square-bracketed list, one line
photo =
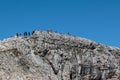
[(98, 20)]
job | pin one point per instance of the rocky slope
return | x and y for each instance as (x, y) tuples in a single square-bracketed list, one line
[(53, 56)]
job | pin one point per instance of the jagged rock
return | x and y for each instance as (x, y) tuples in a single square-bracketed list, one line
[(53, 56)]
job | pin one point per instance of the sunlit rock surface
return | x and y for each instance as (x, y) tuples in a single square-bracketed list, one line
[(53, 56)]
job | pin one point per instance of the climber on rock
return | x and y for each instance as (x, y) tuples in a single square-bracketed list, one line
[(18, 34), (68, 33), (33, 32), (28, 33), (25, 34), (49, 30)]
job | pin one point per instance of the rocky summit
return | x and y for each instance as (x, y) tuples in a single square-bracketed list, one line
[(47, 55)]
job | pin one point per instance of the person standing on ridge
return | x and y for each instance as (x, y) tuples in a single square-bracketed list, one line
[(33, 32), (28, 33)]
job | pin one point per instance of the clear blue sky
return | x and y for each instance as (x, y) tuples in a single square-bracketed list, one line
[(98, 20)]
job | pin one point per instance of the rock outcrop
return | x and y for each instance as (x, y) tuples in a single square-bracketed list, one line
[(53, 56)]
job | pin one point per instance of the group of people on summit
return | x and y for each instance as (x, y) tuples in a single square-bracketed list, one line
[(25, 34)]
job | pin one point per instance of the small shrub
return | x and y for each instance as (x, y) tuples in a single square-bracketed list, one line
[(16, 52)]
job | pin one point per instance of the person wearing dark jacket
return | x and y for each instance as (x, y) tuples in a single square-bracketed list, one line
[(25, 34), (33, 32), (28, 33)]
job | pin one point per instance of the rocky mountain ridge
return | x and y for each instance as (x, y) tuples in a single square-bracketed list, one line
[(53, 56)]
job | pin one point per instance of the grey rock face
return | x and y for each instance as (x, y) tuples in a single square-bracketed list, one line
[(53, 56)]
